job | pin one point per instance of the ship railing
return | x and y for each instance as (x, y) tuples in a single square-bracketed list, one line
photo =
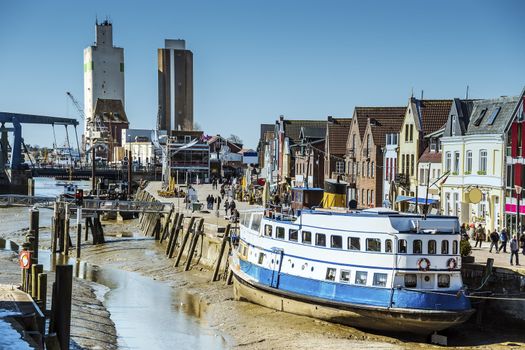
[(279, 212)]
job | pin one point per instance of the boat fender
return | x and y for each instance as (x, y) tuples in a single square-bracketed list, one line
[(452, 263), (423, 264)]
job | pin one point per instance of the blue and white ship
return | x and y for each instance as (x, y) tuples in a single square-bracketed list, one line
[(375, 268)]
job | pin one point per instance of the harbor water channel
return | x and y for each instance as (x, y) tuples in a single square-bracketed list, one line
[(145, 312)]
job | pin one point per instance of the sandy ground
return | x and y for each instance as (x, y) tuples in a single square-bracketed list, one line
[(243, 325)]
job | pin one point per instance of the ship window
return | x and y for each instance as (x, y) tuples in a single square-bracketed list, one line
[(293, 235), (373, 245), (320, 239), (360, 277), (402, 246), (380, 279), (245, 219), (256, 221), (431, 247), (417, 247), (443, 281), (279, 232), (388, 246), (261, 258), (268, 230), (410, 280), (330, 274), (444, 247), (454, 247), (336, 242), (354, 243), (345, 276), (307, 237)]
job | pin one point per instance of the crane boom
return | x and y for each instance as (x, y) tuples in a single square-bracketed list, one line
[(77, 105)]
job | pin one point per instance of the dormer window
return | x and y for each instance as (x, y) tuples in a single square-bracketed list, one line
[(433, 145), (477, 122)]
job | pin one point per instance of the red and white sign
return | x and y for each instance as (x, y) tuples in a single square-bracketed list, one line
[(24, 259)]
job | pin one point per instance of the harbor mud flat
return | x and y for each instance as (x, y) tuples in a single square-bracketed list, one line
[(208, 310)]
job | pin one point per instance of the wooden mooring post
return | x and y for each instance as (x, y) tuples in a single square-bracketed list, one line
[(66, 231), (194, 239), (185, 240), (225, 240), (34, 230), (61, 312), (174, 234)]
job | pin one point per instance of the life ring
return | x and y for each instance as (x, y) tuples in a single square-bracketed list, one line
[(452, 263), (423, 264)]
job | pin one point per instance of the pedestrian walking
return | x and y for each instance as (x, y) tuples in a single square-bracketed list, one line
[(226, 207), (480, 233), (522, 243), (503, 237), (232, 206), (218, 201), (494, 239), (514, 249)]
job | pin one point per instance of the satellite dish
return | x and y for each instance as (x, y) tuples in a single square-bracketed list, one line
[(475, 195)]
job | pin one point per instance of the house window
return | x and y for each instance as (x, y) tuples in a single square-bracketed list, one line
[(345, 276), (453, 125), (412, 165), (433, 145), (268, 230), (336, 242), (469, 162), (483, 161), (448, 161), (340, 167), (293, 235), (411, 138), (456, 203), (417, 247), (307, 237), (354, 243), (372, 169), (360, 277), (456, 162), (320, 239), (380, 279), (406, 133), (330, 274), (373, 245)]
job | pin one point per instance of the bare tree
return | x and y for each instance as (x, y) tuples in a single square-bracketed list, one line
[(235, 139)]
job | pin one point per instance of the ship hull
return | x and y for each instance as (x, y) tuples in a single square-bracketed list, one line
[(377, 318)]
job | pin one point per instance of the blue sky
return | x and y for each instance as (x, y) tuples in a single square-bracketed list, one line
[(256, 60)]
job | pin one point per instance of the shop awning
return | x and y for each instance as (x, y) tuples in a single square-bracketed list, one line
[(413, 200)]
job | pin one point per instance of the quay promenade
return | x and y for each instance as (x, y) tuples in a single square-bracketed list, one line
[(212, 221)]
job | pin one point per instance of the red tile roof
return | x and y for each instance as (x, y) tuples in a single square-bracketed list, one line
[(337, 135), (363, 113), (430, 157), (434, 114)]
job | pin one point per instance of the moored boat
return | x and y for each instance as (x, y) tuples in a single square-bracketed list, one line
[(375, 268)]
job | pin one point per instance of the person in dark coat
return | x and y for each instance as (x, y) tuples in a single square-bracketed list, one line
[(494, 239), (226, 206), (514, 249)]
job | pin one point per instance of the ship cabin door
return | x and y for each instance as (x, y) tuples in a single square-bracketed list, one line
[(275, 265)]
